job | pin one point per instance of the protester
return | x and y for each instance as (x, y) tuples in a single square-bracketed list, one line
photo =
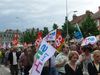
[(85, 58), (94, 67), (61, 60), (6, 56), (26, 60), (13, 61), (71, 68), (98, 45), (1, 56)]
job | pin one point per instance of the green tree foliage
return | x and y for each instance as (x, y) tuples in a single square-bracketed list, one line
[(70, 29), (45, 31), (89, 26), (55, 26), (29, 36)]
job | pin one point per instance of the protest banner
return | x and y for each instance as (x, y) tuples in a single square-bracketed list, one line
[(44, 52), (78, 34), (51, 36), (15, 39), (89, 40), (59, 41), (38, 40)]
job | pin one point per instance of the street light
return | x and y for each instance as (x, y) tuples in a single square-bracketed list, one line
[(66, 21)]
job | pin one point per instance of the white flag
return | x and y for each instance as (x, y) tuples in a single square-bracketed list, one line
[(45, 52), (51, 36), (89, 40)]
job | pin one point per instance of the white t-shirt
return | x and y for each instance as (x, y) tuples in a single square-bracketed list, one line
[(14, 58), (59, 59)]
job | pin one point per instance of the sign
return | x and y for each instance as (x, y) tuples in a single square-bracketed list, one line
[(45, 52), (89, 40), (59, 41), (51, 36), (15, 39), (78, 34), (38, 40)]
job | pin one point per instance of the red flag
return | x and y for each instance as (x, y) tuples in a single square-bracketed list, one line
[(59, 40), (38, 40), (15, 39)]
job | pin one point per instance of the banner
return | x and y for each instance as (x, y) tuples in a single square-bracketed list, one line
[(45, 52), (78, 34), (59, 41), (15, 39), (51, 36), (89, 40), (38, 40)]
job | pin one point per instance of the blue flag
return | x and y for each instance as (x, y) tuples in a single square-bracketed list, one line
[(78, 34)]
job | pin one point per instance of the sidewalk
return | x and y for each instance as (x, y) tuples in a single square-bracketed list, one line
[(4, 70)]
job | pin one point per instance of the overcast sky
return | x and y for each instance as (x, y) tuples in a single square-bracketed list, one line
[(22, 14)]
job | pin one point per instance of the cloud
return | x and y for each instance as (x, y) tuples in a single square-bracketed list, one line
[(22, 14)]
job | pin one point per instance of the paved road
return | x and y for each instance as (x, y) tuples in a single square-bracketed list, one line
[(4, 70)]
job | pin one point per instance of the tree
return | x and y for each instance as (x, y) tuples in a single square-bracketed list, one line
[(89, 26), (29, 36), (70, 29), (45, 31), (55, 26)]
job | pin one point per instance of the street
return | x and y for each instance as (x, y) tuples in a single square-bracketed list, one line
[(4, 70)]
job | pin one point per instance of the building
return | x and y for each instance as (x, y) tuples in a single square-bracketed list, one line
[(7, 36), (79, 19), (97, 17)]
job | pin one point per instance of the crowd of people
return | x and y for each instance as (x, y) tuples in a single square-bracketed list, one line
[(73, 59), (18, 60)]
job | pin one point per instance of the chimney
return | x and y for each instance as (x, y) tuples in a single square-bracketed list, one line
[(74, 16)]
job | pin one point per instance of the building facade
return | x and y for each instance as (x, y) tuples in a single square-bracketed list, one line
[(7, 36), (79, 19)]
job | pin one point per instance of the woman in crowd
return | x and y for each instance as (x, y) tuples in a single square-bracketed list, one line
[(71, 68), (94, 67)]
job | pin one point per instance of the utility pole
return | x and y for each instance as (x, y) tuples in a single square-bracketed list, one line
[(66, 21)]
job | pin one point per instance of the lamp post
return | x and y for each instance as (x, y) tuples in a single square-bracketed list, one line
[(66, 21)]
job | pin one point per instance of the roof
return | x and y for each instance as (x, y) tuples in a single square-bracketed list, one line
[(97, 15), (79, 19)]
